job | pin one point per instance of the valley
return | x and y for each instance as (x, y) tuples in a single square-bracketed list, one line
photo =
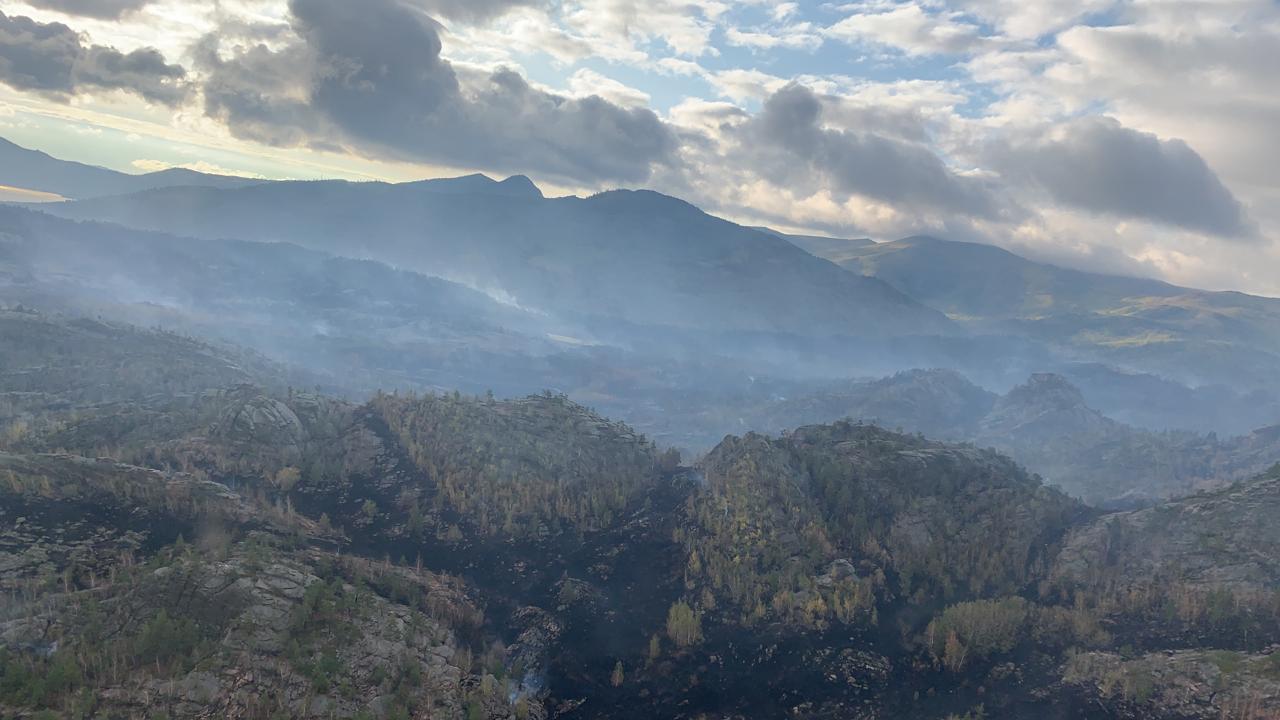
[(655, 464)]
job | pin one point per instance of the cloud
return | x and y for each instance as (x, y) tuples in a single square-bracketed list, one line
[(586, 82), (1208, 76), (1098, 165), (101, 9), (474, 11), (742, 85), (783, 32), (910, 29), (793, 146), (1024, 20), (621, 27), (371, 76), (52, 60)]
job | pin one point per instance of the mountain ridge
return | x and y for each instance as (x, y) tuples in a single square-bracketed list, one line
[(39, 171), (571, 255)]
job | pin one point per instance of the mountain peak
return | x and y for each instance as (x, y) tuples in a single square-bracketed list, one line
[(520, 186), (480, 184), (1045, 406), (647, 201), (1047, 390)]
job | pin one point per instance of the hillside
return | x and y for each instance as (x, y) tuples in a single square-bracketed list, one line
[(474, 557), (632, 257), (1046, 424), (1222, 538), (83, 361), (934, 522), (112, 613), (34, 170), (360, 324), (644, 274), (1194, 336), (837, 250)]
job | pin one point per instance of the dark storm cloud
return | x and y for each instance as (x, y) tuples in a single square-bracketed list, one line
[(51, 59), (102, 9), (790, 142), (371, 75), (1098, 165)]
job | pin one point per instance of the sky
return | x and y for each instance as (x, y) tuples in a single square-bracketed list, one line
[(1138, 137)]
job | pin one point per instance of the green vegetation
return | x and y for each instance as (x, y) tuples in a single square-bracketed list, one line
[(814, 527), (165, 638), (37, 682), (885, 564), (520, 468), (684, 625), (974, 631)]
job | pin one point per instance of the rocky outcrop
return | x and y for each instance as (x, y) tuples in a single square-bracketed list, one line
[(1046, 406), (262, 419), (1227, 538), (1187, 685)]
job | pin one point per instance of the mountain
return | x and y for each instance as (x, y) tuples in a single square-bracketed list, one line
[(938, 403), (1221, 538), (639, 271), (837, 250), (615, 261), (475, 557), (1194, 584), (356, 326), (361, 324), (1045, 423), (104, 362), (1193, 336), (137, 620), (34, 170)]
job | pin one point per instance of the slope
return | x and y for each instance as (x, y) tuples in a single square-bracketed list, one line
[(636, 258), (1195, 336), (35, 170)]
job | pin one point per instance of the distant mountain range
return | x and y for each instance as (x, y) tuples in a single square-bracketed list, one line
[(627, 295), (1195, 336), (1046, 424), (33, 170), (249, 467), (637, 258)]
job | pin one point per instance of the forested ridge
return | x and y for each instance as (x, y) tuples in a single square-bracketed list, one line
[(445, 555)]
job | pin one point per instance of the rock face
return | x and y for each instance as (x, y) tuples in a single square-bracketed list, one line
[(1189, 684), (256, 655), (1227, 538), (260, 644), (1044, 407), (254, 619), (262, 419)]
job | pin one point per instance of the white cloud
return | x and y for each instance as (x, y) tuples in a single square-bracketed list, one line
[(910, 29), (1031, 19), (585, 83), (684, 26), (799, 36), (745, 85)]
